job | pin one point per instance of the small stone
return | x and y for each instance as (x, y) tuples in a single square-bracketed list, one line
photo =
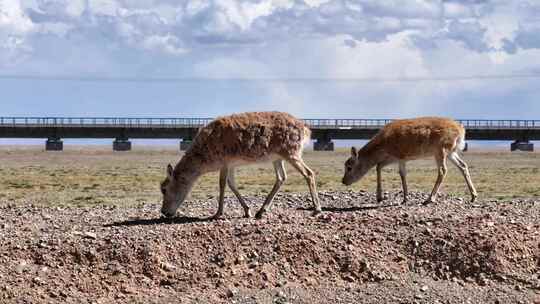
[(309, 281), (231, 292), (481, 280), (90, 235), (168, 266), (128, 289), (120, 296), (37, 280), (281, 294), (424, 288), (239, 259), (281, 283), (418, 296), (22, 267)]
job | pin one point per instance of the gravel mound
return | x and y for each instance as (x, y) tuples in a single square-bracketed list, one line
[(356, 251)]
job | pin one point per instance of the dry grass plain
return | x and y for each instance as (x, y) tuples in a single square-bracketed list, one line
[(87, 176), (63, 239)]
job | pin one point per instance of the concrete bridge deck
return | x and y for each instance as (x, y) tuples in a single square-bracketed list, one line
[(54, 129)]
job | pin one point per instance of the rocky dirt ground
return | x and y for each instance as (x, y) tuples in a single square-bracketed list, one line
[(357, 251)]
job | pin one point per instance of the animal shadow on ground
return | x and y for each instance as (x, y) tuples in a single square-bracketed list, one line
[(350, 209), (158, 221)]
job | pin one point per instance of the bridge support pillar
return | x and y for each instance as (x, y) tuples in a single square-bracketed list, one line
[(522, 145), (121, 144), (185, 144), (54, 144), (323, 145)]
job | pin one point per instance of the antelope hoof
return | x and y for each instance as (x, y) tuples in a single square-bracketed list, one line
[(259, 214), (247, 213), (428, 202), (381, 198), (217, 216), (473, 198), (404, 201), (316, 212)]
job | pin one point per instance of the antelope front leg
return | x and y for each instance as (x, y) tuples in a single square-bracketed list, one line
[(309, 175), (462, 166), (441, 164), (281, 176), (222, 183), (380, 197), (403, 175), (232, 184)]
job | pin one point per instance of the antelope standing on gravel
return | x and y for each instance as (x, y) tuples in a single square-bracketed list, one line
[(408, 139), (240, 139)]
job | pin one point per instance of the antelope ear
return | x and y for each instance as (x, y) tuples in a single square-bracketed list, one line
[(354, 153), (170, 171)]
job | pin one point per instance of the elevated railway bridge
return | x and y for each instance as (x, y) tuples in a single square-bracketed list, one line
[(54, 129)]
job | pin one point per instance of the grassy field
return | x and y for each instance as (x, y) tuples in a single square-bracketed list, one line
[(83, 176)]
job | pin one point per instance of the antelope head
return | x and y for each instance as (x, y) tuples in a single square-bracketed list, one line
[(355, 167), (175, 189)]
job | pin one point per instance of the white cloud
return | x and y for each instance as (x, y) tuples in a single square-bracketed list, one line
[(14, 28), (501, 24), (13, 18), (167, 44), (104, 7), (285, 39), (481, 26), (457, 10)]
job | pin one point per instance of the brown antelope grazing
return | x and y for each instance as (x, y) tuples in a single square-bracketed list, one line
[(408, 139), (235, 140)]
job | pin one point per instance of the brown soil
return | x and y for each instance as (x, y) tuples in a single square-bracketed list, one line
[(357, 251)]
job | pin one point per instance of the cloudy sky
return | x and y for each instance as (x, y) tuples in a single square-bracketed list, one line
[(314, 58)]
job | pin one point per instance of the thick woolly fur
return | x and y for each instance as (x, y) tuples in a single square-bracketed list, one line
[(248, 138), (236, 140), (408, 139)]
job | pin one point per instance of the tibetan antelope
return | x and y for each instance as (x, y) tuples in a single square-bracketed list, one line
[(408, 139), (231, 141)]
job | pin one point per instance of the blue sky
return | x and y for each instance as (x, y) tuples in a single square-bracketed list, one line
[(314, 58)]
